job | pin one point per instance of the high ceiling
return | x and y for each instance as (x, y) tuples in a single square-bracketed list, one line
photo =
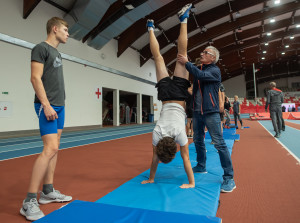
[(246, 32)]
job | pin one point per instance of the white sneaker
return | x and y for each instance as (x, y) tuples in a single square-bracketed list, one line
[(54, 196), (242, 127), (31, 210)]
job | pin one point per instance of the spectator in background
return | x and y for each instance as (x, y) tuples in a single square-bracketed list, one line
[(189, 114), (275, 100), (227, 107), (237, 112), (293, 108), (221, 103), (283, 108)]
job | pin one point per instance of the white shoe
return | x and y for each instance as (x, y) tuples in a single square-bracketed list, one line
[(31, 210), (54, 196)]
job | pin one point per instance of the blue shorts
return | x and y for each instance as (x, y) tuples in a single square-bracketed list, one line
[(50, 127)]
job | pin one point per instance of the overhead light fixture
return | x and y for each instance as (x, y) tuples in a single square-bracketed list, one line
[(238, 14), (239, 30), (286, 46), (129, 6), (292, 37), (264, 51), (266, 44), (263, 58), (283, 53), (241, 42), (272, 20), (269, 34), (242, 50), (203, 29), (297, 26), (276, 2)]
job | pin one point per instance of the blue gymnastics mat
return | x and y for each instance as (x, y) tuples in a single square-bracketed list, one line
[(166, 195), (227, 134), (83, 211), (141, 203)]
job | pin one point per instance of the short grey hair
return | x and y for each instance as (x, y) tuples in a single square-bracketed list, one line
[(217, 53), (272, 84)]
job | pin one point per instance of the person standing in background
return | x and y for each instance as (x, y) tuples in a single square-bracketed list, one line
[(275, 100), (237, 112)]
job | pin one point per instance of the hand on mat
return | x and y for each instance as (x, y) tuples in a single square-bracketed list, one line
[(187, 186), (147, 181)]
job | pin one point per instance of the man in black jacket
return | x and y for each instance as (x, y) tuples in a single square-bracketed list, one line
[(275, 99)]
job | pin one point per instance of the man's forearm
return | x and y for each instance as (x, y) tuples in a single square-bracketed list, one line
[(40, 91)]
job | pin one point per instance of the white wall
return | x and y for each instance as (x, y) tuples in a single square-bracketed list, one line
[(81, 106), (235, 86), (283, 82)]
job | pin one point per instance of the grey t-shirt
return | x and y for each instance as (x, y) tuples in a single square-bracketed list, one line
[(52, 78), (236, 107)]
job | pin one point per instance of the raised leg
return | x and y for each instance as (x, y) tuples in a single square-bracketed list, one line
[(160, 66)]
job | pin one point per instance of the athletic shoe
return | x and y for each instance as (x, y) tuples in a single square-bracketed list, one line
[(54, 196), (198, 169), (184, 12), (228, 185), (242, 127), (31, 210), (150, 24)]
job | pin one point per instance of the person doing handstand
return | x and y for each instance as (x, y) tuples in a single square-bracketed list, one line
[(172, 91)]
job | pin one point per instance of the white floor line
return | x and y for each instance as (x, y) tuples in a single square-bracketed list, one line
[(290, 152)]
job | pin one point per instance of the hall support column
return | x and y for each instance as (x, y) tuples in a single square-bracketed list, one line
[(116, 107), (139, 109)]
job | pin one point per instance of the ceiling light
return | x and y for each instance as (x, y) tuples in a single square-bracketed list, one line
[(129, 6), (297, 26), (266, 44), (263, 58), (272, 20), (264, 51), (283, 53), (239, 30), (203, 29), (276, 2), (238, 14), (241, 42), (287, 46), (292, 37), (269, 34)]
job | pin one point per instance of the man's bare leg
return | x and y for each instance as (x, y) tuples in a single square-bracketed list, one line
[(161, 70), (49, 176), (42, 163)]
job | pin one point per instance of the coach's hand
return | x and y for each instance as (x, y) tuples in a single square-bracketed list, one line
[(182, 59)]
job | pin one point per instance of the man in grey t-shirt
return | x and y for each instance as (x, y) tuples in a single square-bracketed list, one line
[(48, 83)]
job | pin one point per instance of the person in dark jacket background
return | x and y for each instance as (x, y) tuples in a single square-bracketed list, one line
[(275, 100), (207, 80)]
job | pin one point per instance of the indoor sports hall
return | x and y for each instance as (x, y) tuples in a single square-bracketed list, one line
[(110, 92)]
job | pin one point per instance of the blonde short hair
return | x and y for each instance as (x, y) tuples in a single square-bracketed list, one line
[(55, 21)]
